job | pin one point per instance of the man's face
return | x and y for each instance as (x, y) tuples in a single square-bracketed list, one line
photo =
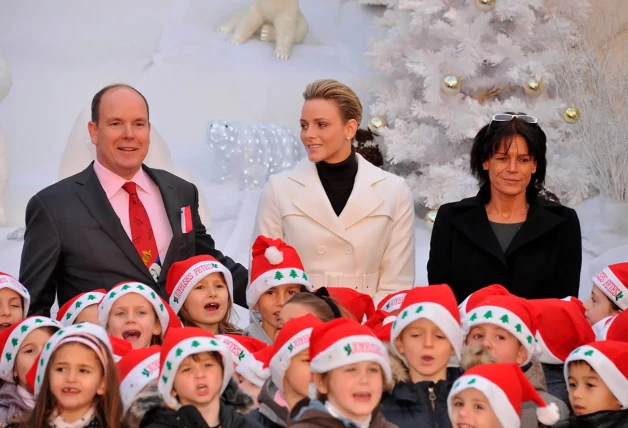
[(122, 134)]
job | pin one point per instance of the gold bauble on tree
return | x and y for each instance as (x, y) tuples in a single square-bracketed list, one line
[(571, 114), (430, 218), (376, 122), (485, 5), (533, 87), (451, 85)]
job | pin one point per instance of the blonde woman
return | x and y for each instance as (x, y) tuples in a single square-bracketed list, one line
[(351, 222)]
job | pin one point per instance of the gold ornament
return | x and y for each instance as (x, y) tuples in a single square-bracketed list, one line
[(376, 122), (451, 85), (430, 218), (485, 5), (571, 114), (533, 87)]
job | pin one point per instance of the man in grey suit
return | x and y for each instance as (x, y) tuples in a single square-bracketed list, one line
[(93, 231)]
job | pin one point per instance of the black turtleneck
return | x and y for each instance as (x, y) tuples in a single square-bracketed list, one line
[(338, 180)]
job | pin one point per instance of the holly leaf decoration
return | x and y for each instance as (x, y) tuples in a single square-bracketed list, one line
[(348, 349)]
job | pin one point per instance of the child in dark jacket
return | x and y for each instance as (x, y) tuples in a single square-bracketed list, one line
[(426, 336)]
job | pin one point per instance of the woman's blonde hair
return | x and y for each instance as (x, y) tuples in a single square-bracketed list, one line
[(328, 89)]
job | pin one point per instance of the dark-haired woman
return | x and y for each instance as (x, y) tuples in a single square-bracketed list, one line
[(507, 234)]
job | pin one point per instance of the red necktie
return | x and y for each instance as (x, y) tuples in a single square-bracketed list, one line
[(141, 230)]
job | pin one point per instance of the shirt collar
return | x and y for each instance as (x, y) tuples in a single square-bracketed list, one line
[(111, 182)]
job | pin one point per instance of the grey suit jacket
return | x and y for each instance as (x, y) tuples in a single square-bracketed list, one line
[(74, 240)]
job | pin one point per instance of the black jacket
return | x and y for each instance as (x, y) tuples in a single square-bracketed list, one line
[(618, 419), (555, 381), (410, 405), (74, 240), (269, 414), (189, 417), (542, 261)]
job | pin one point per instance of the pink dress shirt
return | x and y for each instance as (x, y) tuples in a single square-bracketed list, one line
[(149, 194)]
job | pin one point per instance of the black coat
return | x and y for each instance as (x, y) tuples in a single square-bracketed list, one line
[(542, 261), (190, 417), (555, 381), (618, 419), (409, 405), (75, 243)]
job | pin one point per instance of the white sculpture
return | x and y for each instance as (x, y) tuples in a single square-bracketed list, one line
[(5, 170), (79, 152), (279, 21)]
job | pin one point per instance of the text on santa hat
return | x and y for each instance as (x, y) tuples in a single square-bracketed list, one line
[(189, 277), (395, 302), (364, 348), (151, 368), (235, 350), (610, 286), (11, 281), (299, 341)]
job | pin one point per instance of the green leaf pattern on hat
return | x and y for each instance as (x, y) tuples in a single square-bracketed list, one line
[(419, 309), (589, 353), (91, 297), (488, 315), (474, 317)]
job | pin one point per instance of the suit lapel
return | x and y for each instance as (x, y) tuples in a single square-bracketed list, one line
[(93, 196), (475, 225), (539, 221), (363, 199)]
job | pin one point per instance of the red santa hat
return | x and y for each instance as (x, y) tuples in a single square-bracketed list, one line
[(392, 302), (7, 281), (143, 290), (136, 370), (381, 323), (119, 348), (514, 314), (579, 304), (613, 281), (615, 328), (11, 340), (180, 343), (476, 297), (294, 337), (609, 359), (360, 305), (562, 328), (256, 369), (183, 277), (436, 303), (72, 308), (506, 388), (342, 342), (274, 263), (242, 348)]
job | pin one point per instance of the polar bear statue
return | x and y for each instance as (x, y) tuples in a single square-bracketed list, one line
[(80, 151), (5, 169), (278, 21)]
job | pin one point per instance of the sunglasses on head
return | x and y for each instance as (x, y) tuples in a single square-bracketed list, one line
[(507, 117)]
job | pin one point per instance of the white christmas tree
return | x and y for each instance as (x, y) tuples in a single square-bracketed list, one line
[(446, 66)]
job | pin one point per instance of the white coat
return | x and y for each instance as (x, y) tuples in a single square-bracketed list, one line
[(369, 247)]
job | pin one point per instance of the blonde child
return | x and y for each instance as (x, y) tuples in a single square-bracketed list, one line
[(20, 345), (14, 301), (597, 376), (75, 381), (351, 370), (276, 275), (425, 336), (200, 291), (492, 395), (82, 308), (134, 312), (609, 295)]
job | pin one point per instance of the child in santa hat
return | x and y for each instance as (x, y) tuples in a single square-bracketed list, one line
[(425, 336), (134, 312), (13, 296), (351, 370), (20, 345), (82, 308), (609, 295), (195, 382), (319, 304), (200, 290), (562, 327), (276, 275), (289, 366), (492, 396), (615, 328), (502, 329), (597, 375)]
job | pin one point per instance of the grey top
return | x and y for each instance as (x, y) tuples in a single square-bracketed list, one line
[(505, 232)]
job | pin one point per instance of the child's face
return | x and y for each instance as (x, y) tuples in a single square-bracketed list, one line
[(208, 303), (198, 380), (32, 345), (426, 348), (355, 390), (587, 392), (271, 302), (10, 308), (133, 319), (297, 378), (502, 346), (89, 314), (76, 378), (471, 409), (598, 306)]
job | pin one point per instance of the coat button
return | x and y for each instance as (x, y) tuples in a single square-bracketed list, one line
[(348, 250), (320, 250)]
